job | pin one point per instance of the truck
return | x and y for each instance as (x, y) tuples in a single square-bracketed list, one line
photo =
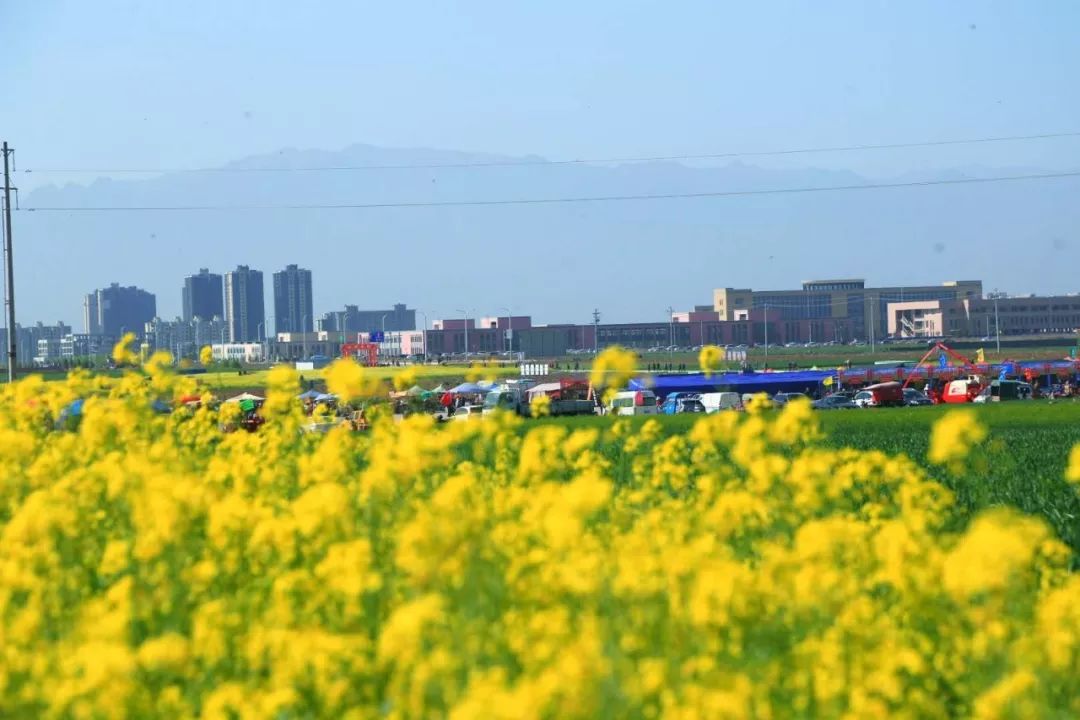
[(566, 397), (887, 394)]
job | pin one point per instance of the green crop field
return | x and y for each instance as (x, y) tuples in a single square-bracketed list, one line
[(1021, 464)]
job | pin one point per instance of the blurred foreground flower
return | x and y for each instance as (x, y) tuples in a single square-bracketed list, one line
[(711, 359), (953, 436), (613, 368), (122, 353)]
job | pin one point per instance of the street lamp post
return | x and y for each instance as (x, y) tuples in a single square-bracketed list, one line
[(466, 314), (997, 325), (766, 316), (671, 334), (509, 329), (424, 331)]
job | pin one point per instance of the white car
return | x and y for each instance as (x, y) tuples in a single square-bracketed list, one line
[(469, 412), (863, 399)]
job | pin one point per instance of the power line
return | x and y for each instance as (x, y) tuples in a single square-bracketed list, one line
[(542, 163), (556, 200)]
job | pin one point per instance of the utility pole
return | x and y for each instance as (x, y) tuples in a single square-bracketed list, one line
[(9, 295), (997, 325), (766, 308), (671, 333), (873, 311), (596, 330)]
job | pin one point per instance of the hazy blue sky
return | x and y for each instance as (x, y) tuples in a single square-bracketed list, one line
[(121, 83), (158, 84)]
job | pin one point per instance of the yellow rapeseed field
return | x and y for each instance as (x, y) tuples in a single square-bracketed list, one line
[(152, 566)]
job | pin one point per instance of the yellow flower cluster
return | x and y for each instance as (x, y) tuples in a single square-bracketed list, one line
[(613, 368), (152, 567), (711, 359), (954, 436)]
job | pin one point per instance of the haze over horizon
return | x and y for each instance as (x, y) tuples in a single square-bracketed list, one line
[(126, 85)]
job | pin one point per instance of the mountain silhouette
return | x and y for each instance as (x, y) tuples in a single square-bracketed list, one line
[(556, 261)]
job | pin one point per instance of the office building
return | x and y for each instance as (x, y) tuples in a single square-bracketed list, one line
[(835, 310), (115, 310), (203, 296), (245, 309), (292, 300), (353, 320), (983, 317)]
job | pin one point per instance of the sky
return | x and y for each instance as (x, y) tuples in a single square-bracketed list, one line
[(120, 84)]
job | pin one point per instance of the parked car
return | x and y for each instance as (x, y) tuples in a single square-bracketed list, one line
[(469, 412), (677, 406), (835, 401), (915, 397), (674, 402), (717, 401), (781, 399), (633, 402)]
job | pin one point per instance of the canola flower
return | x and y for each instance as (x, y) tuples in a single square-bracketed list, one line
[(122, 353), (953, 436), (711, 359), (151, 566)]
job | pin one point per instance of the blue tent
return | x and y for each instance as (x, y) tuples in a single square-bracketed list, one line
[(469, 387), (309, 395), (772, 382)]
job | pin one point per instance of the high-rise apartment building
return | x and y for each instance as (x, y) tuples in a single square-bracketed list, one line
[(115, 310), (203, 296), (245, 306), (292, 300), (91, 319)]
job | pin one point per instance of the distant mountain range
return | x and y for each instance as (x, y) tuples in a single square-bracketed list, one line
[(557, 261)]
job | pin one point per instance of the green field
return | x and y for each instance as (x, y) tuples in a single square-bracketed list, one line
[(1022, 463), (836, 355)]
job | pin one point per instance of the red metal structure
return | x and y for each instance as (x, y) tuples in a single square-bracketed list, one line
[(955, 391), (965, 363), (358, 350)]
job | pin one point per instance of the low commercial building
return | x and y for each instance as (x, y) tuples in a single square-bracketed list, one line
[(290, 347), (240, 352)]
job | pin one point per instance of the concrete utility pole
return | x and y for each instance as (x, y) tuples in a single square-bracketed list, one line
[(997, 324), (9, 295), (596, 330), (766, 334), (671, 333)]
